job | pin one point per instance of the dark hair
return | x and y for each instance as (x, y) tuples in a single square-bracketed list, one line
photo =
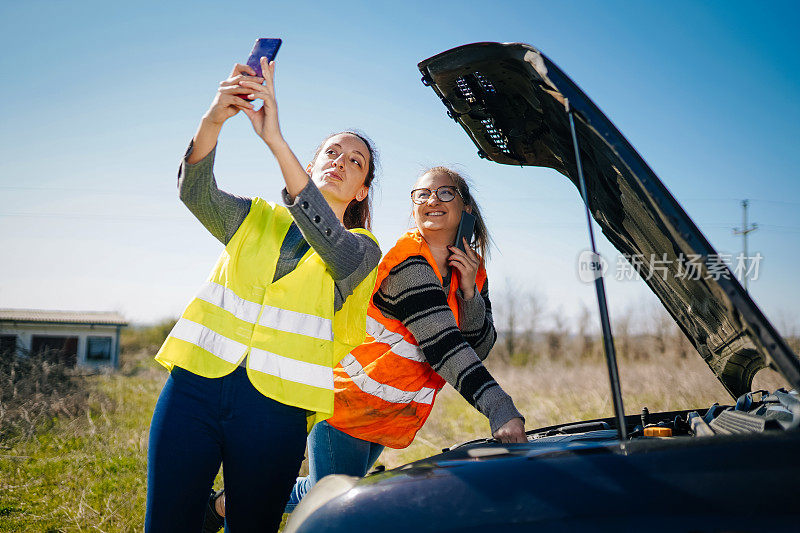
[(358, 214), (481, 238)]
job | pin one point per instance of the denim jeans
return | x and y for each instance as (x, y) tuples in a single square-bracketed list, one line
[(199, 423), (331, 451)]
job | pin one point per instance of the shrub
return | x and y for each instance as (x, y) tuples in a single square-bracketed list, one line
[(145, 338), (139, 344), (36, 388)]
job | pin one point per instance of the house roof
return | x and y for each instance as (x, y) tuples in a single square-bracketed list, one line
[(46, 316)]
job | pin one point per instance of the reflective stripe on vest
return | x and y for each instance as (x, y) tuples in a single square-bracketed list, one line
[(399, 345), (209, 340), (291, 369), (299, 323), (271, 317), (216, 294), (385, 392), (261, 360)]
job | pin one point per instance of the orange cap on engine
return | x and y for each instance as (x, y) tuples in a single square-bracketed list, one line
[(657, 431)]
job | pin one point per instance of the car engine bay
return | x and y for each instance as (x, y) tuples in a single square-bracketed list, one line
[(754, 412)]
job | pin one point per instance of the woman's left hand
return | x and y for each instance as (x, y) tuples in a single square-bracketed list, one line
[(265, 120), (467, 264)]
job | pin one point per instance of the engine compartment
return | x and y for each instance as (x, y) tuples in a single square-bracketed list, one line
[(754, 412)]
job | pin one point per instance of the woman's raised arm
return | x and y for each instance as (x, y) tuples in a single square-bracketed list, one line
[(266, 125)]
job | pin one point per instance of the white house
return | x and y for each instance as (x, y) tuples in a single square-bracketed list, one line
[(84, 338)]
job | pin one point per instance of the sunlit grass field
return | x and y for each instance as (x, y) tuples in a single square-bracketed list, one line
[(87, 471)]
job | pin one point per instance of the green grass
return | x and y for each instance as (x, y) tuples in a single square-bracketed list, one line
[(88, 472)]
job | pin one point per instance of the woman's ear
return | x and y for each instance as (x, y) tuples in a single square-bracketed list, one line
[(362, 193), (468, 209)]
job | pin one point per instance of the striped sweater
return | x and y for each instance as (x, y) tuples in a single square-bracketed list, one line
[(412, 294)]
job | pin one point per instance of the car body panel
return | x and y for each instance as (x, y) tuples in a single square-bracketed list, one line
[(580, 485)]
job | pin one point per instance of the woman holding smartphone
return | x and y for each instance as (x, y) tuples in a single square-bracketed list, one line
[(429, 322), (251, 359)]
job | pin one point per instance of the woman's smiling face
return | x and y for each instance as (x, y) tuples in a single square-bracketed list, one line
[(340, 168), (433, 214)]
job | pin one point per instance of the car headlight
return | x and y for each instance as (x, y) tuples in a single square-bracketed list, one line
[(324, 491)]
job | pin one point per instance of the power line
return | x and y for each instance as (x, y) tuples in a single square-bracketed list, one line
[(781, 202), (94, 216), (131, 192), (781, 229), (566, 225)]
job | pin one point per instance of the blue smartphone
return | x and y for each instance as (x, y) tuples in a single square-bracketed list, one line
[(466, 229), (263, 48)]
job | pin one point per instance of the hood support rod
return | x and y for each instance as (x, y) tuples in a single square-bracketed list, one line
[(608, 340)]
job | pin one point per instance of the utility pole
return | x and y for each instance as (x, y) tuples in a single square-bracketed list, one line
[(744, 232)]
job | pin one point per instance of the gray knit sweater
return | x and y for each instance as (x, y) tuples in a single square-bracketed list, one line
[(412, 294), (350, 257)]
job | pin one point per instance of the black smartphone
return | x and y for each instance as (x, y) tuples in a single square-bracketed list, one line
[(263, 48), (466, 227)]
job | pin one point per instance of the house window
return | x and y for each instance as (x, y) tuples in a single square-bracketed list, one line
[(98, 349), (8, 344), (58, 349)]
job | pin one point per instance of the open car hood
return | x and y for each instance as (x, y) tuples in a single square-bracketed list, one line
[(512, 102)]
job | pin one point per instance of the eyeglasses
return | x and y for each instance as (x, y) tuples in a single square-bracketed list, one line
[(445, 193)]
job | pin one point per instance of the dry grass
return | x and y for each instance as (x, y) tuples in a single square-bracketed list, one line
[(34, 389)]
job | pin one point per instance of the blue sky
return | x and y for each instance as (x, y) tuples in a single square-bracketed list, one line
[(100, 101)]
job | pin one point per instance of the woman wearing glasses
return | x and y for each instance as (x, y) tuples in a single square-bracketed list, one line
[(429, 322)]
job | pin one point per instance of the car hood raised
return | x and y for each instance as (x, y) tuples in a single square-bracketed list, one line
[(512, 102)]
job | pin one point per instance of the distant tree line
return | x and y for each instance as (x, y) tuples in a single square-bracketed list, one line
[(530, 330)]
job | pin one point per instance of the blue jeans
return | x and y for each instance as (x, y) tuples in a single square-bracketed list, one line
[(199, 423), (331, 451)]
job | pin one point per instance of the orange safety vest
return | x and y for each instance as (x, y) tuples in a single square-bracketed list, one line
[(384, 389)]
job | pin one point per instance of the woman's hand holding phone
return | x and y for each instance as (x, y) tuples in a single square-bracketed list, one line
[(265, 120), (266, 125), (467, 263), (229, 100), (231, 95)]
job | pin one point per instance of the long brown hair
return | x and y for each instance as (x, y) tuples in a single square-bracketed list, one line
[(481, 238), (358, 214)]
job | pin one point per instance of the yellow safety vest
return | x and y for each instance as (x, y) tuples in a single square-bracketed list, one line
[(288, 327)]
